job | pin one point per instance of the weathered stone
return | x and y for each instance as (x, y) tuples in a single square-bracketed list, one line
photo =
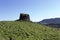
[(24, 17)]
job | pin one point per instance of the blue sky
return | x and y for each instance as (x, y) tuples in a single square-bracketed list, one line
[(37, 9)]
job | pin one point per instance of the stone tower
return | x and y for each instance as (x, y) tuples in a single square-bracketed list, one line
[(24, 17)]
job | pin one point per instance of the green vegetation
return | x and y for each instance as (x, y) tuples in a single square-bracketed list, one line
[(27, 31)]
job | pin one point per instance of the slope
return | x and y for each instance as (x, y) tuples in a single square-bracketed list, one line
[(27, 31)]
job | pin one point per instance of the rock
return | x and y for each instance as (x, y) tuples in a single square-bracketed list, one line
[(11, 38)]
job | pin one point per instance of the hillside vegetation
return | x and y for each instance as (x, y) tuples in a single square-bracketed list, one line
[(27, 31)]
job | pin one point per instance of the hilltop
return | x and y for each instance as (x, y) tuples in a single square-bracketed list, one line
[(23, 30), (53, 22)]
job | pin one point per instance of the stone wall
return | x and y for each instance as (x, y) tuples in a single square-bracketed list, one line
[(24, 17)]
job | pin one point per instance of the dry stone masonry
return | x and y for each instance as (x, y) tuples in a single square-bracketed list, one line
[(24, 17)]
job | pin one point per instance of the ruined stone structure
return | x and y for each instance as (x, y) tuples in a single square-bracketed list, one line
[(24, 17)]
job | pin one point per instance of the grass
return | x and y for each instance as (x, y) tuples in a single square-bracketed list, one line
[(27, 31)]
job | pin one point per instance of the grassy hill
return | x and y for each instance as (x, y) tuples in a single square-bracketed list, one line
[(27, 31)]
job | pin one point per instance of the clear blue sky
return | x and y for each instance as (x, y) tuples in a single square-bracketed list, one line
[(37, 9)]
